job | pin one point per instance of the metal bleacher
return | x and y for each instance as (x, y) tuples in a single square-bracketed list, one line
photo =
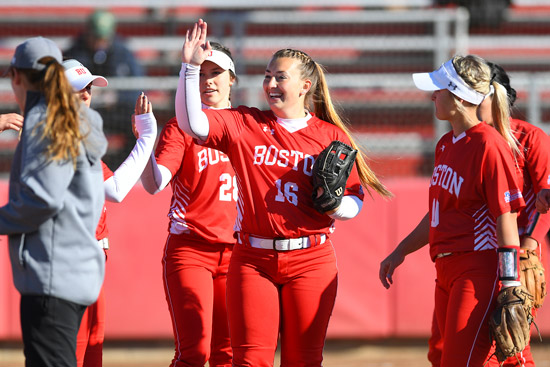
[(369, 48)]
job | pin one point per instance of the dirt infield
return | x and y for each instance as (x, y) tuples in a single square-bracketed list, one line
[(337, 354)]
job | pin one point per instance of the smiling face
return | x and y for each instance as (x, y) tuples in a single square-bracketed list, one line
[(284, 88), (215, 85)]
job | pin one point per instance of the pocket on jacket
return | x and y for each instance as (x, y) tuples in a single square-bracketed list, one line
[(22, 261)]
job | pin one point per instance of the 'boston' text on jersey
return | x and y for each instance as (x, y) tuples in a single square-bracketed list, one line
[(210, 156), (447, 178), (283, 158)]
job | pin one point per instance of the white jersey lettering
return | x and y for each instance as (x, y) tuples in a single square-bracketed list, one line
[(211, 156), (270, 156), (447, 178)]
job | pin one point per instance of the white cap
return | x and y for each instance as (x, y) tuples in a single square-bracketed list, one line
[(79, 76), (446, 78), (222, 60)]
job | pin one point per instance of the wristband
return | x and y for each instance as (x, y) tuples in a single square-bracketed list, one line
[(508, 264)]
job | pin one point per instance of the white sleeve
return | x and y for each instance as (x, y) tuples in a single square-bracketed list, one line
[(349, 208), (128, 173), (155, 177), (188, 107)]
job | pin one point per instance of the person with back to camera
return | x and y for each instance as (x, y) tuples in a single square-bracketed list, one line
[(471, 224), (282, 276), (89, 347), (55, 201), (202, 214), (534, 164)]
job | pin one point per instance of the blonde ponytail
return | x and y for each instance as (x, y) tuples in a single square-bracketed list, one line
[(319, 101)]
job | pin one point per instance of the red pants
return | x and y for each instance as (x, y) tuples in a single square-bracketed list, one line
[(465, 295), (436, 345), (289, 293), (89, 341), (195, 274)]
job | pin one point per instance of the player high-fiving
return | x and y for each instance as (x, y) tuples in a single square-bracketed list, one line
[(282, 276), (202, 214)]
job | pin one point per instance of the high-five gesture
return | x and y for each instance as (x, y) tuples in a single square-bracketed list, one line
[(196, 48)]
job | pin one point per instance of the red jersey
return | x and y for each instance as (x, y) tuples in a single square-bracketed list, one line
[(474, 182), (101, 231), (534, 165), (274, 170), (203, 185)]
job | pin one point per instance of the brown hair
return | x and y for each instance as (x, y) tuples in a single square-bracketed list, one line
[(477, 74), (319, 101), (62, 124)]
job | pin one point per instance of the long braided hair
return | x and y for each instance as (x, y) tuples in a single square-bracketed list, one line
[(319, 101)]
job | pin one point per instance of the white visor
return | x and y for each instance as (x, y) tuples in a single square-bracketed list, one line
[(446, 78), (79, 76), (222, 60)]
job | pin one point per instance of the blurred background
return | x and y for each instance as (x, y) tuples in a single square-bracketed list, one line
[(369, 49)]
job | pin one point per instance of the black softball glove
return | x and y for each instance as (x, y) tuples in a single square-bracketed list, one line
[(330, 172)]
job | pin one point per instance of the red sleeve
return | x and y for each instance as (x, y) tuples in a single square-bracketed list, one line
[(500, 183), (107, 173), (537, 159), (171, 146), (227, 125)]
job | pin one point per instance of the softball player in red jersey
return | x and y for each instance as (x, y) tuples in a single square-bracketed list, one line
[(473, 196), (282, 277), (534, 164), (89, 343), (202, 215)]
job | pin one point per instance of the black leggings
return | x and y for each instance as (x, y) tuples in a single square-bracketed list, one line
[(49, 326)]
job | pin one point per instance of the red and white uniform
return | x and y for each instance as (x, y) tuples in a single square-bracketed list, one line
[(197, 252), (268, 291), (473, 183), (274, 169), (89, 341), (534, 165)]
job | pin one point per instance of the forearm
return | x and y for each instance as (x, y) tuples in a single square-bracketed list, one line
[(129, 172), (155, 177), (189, 114), (349, 208), (418, 238), (507, 230)]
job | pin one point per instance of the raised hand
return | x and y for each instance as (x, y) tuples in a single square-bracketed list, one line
[(196, 48), (143, 106), (11, 121)]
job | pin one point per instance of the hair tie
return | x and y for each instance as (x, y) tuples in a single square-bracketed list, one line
[(492, 78)]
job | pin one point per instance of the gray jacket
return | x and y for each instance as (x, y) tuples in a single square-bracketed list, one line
[(53, 212)]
